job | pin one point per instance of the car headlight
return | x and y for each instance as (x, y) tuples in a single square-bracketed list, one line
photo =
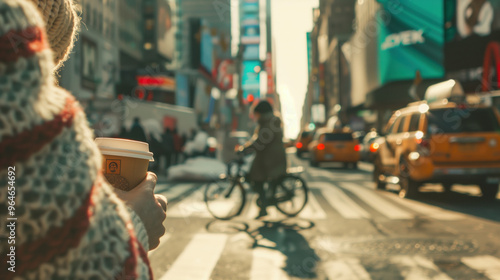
[(414, 156)]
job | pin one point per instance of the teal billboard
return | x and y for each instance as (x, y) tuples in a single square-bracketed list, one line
[(250, 81), (309, 52), (410, 39)]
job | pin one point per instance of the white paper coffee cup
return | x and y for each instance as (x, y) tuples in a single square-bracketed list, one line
[(125, 162)]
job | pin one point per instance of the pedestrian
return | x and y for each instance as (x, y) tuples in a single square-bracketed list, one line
[(270, 163), (137, 131), (70, 223), (177, 146), (168, 147), (155, 147), (123, 133)]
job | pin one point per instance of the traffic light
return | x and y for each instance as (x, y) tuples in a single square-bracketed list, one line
[(250, 98)]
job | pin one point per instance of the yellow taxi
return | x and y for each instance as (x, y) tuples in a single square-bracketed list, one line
[(334, 146), (303, 141), (441, 142)]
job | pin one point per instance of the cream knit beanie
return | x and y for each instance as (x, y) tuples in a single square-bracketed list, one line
[(62, 23)]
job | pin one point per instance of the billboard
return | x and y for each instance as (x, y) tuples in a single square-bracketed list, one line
[(251, 52), (207, 50), (472, 28), (250, 25), (182, 90), (165, 28), (309, 52), (270, 73), (410, 39), (250, 81)]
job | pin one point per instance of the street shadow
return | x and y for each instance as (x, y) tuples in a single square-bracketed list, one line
[(301, 260), (283, 236), (461, 202)]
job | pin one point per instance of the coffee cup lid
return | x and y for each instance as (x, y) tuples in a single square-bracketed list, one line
[(124, 148)]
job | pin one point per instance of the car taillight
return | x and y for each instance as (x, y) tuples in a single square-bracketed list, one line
[(374, 147), (299, 145), (357, 148), (424, 143), (321, 146)]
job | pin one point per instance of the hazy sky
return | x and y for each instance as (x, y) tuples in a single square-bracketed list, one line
[(291, 19)]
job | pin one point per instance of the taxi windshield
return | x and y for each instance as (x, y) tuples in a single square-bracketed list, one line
[(458, 120)]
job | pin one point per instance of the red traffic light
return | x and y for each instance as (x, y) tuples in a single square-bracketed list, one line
[(250, 98)]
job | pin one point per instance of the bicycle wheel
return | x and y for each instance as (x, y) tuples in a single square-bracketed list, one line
[(291, 195), (224, 199)]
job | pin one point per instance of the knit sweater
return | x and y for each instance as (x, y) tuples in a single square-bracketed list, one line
[(70, 224)]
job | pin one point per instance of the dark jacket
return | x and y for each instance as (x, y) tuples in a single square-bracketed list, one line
[(267, 142), (168, 143), (137, 133)]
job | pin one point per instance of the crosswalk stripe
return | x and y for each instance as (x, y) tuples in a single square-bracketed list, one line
[(418, 268), (198, 259), (488, 265), (376, 202), (312, 210), (191, 206), (343, 204), (428, 210), (346, 269), (253, 210), (267, 265)]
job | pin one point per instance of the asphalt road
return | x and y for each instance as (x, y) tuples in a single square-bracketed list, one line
[(348, 231)]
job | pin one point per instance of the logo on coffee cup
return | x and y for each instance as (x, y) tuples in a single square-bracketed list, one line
[(113, 166)]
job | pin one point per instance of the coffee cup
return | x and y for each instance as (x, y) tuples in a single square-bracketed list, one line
[(125, 162)]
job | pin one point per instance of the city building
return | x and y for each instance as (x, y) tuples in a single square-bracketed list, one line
[(92, 71), (204, 57), (393, 51), (329, 78)]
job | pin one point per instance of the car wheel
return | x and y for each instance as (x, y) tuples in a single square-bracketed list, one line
[(381, 185), (313, 163), (447, 187), (489, 191), (354, 165), (409, 187)]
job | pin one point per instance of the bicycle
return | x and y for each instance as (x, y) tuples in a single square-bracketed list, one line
[(226, 197)]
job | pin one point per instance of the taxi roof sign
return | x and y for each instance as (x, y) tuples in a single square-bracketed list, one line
[(450, 89)]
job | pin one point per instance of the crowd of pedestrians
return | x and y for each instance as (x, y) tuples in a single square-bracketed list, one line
[(170, 147)]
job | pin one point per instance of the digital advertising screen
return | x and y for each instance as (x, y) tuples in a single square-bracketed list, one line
[(166, 28), (472, 37), (410, 39)]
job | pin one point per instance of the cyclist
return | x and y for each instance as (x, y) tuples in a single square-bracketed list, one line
[(270, 157)]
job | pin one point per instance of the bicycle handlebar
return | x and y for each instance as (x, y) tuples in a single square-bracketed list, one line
[(238, 162)]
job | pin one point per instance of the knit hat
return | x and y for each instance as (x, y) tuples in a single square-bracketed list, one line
[(263, 107), (61, 24)]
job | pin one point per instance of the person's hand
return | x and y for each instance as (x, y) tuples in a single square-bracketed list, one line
[(149, 207), (237, 148)]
